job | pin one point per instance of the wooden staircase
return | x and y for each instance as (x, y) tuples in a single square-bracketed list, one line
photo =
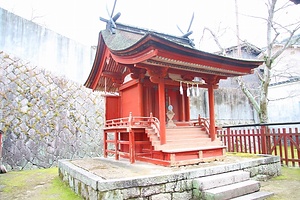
[(185, 145), (182, 138)]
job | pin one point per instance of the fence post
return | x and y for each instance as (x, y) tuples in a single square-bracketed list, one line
[(229, 140), (263, 140)]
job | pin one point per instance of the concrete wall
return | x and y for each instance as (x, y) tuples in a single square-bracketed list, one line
[(231, 107), (43, 47)]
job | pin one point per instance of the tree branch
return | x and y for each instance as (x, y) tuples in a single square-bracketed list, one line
[(215, 39), (248, 93)]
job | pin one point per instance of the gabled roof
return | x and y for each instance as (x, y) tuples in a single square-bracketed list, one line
[(132, 48), (248, 50)]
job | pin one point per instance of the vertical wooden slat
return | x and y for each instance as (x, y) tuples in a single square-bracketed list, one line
[(258, 135), (268, 140), (249, 140), (292, 146), (229, 139), (274, 143), (254, 140), (105, 144), (263, 140), (236, 141), (285, 147), (240, 140), (280, 145), (298, 144), (245, 141)]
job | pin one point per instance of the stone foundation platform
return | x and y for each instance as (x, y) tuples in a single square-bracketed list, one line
[(104, 178)]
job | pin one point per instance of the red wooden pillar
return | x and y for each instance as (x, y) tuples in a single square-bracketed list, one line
[(131, 147), (182, 113), (162, 110), (211, 103), (187, 109), (105, 144), (116, 142)]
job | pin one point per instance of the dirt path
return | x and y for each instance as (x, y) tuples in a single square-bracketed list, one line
[(286, 186)]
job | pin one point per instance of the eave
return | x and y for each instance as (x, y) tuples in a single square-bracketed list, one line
[(154, 51)]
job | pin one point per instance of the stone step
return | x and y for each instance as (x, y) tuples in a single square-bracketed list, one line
[(255, 196), (186, 146), (187, 140), (219, 180), (184, 131), (232, 190), (186, 136)]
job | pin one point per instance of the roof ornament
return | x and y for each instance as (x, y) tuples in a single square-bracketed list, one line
[(188, 32), (111, 22)]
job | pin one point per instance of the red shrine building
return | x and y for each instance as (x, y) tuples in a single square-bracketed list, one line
[(147, 78)]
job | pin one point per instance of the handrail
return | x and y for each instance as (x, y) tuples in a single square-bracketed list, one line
[(204, 122), (137, 121)]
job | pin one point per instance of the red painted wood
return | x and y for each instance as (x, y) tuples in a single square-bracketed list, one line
[(105, 144), (112, 108), (187, 109), (131, 147), (116, 145), (162, 110), (211, 102), (183, 100), (131, 101), (280, 141)]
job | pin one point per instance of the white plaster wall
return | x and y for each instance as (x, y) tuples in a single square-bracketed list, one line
[(285, 103), (284, 94)]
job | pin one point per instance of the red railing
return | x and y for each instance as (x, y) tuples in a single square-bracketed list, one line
[(265, 139), (203, 122), (128, 125), (134, 121)]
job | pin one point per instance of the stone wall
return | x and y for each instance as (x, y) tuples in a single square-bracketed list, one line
[(45, 117)]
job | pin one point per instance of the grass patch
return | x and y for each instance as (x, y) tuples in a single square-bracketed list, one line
[(59, 190), (289, 173), (243, 155), (16, 180), (37, 184)]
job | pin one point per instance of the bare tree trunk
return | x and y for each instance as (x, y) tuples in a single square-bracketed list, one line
[(263, 114)]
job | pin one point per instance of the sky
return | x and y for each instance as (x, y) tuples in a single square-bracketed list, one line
[(79, 19)]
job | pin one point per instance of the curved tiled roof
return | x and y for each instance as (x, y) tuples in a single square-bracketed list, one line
[(131, 47)]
